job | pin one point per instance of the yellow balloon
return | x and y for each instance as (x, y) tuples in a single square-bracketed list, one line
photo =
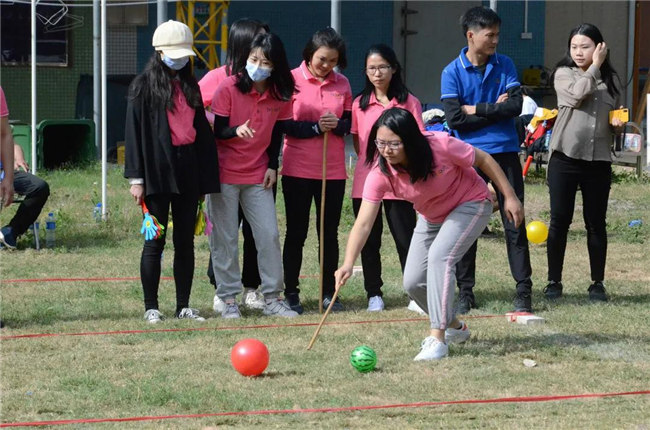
[(537, 232)]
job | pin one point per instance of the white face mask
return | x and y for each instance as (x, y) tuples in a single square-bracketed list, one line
[(175, 63), (257, 73)]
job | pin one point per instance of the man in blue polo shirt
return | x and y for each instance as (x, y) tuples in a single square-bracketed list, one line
[(481, 96)]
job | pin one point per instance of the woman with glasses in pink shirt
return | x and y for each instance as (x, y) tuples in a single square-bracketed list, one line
[(435, 172), (322, 104), (384, 89)]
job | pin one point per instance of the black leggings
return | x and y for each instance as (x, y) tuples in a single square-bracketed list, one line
[(594, 178)]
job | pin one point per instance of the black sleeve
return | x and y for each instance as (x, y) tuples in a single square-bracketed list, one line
[(301, 129), (273, 150), (221, 129), (134, 160), (345, 122), (511, 108), (459, 120)]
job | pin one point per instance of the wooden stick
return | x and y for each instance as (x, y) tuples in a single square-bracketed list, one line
[(322, 320), (322, 224)]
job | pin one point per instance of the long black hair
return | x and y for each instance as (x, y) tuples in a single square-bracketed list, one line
[(607, 72), (155, 84), (241, 33), (396, 88), (281, 83), (329, 38), (416, 146)]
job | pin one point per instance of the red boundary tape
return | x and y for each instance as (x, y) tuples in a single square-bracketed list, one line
[(246, 327), (528, 399), (99, 279)]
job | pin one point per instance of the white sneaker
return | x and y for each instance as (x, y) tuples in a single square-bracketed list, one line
[(457, 335), (231, 310), (415, 308), (190, 314), (432, 349), (252, 299), (217, 304), (153, 316), (375, 304), (279, 308)]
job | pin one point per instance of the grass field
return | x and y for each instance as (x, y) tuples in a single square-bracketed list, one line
[(583, 348)]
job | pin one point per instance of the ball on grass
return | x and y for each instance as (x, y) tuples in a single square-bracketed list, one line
[(537, 232), (363, 358), (249, 357)]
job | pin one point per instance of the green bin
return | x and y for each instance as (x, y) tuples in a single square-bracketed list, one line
[(65, 142), (23, 137)]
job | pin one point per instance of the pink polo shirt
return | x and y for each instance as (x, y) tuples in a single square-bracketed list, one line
[(362, 122), (244, 161), (4, 110), (453, 183), (303, 158), (181, 119), (210, 82)]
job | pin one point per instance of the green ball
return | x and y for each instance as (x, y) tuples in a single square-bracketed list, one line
[(363, 358)]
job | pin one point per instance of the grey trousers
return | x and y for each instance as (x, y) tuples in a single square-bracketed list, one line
[(430, 272), (259, 209)]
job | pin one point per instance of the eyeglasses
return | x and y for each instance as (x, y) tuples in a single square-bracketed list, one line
[(381, 144), (381, 69)]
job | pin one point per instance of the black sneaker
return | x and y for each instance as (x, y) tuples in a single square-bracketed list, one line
[(597, 292), (465, 303), (336, 307), (293, 300), (553, 290), (523, 302)]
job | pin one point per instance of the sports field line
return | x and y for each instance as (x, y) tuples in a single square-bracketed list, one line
[(244, 327), (525, 399), (97, 279)]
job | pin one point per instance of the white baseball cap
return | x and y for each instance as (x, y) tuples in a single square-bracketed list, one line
[(174, 39)]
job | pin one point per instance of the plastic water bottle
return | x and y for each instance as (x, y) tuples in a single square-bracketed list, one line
[(50, 230), (97, 212), (547, 139)]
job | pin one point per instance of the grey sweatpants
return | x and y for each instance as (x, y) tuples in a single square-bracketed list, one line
[(430, 272), (259, 209)]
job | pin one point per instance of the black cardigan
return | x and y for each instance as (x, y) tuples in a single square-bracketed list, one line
[(149, 150)]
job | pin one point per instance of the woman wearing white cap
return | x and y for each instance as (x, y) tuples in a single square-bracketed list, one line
[(167, 162)]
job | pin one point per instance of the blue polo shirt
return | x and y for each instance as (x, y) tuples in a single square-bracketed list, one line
[(462, 81)]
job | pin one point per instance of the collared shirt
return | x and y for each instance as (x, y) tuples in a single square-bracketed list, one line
[(582, 130), (244, 161), (4, 110), (453, 182), (210, 82), (181, 119), (303, 158), (362, 122), (463, 81)]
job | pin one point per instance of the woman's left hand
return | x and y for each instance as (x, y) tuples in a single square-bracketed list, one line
[(270, 177), (617, 123), (514, 210)]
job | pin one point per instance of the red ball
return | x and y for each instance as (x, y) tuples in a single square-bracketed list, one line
[(249, 357)]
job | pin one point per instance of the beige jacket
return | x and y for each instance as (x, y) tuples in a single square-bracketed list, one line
[(582, 129)]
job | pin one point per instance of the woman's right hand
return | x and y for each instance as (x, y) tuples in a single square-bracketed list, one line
[(600, 54), (137, 191), (342, 275), (328, 122), (244, 131)]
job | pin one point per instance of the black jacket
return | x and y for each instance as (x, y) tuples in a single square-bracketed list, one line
[(149, 153)]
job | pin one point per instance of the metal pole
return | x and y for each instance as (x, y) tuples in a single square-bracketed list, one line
[(493, 5), (33, 31), (162, 11), (103, 120), (631, 24), (97, 76), (335, 15)]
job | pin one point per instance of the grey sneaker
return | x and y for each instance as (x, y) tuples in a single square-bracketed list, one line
[(231, 310), (279, 308), (252, 299), (432, 349), (153, 316), (190, 314), (336, 307), (217, 304), (414, 307), (375, 304), (457, 335)]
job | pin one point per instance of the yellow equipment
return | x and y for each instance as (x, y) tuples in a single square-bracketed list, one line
[(208, 22)]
